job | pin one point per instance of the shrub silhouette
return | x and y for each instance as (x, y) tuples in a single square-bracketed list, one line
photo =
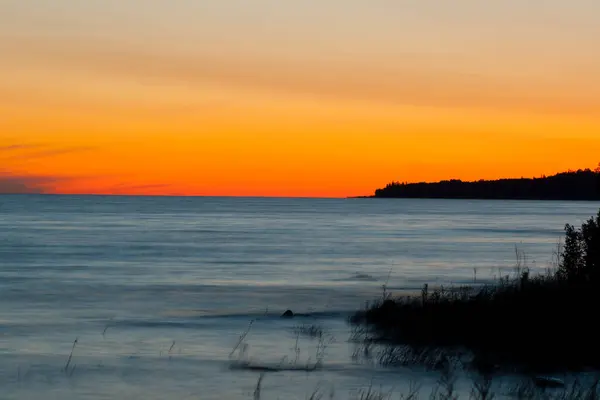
[(580, 261)]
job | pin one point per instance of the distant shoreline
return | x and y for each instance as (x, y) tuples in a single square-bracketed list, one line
[(471, 198), (581, 185)]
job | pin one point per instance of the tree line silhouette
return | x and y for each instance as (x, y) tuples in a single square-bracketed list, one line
[(583, 184)]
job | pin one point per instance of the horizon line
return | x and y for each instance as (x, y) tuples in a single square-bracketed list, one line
[(371, 195), (177, 195)]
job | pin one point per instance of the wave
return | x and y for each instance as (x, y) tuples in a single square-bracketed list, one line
[(324, 314), (199, 321), (357, 277), (513, 232), (154, 324), (274, 367)]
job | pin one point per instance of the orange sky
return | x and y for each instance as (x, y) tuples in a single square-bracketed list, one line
[(313, 98)]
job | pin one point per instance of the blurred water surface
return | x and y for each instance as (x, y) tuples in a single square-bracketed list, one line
[(157, 290)]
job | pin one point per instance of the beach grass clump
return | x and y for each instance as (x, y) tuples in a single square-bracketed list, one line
[(481, 387), (312, 331), (543, 322)]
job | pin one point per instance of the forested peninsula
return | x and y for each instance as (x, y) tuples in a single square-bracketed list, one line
[(583, 184)]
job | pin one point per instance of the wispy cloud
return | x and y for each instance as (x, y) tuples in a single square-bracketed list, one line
[(26, 151), (58, 151), (415, 78), (17, 147), (27, 184), (151, 188), (19, 181)]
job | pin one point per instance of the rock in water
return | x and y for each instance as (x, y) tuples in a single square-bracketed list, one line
[(287, 314)]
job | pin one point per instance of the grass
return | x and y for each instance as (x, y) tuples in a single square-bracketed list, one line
[(311, 331), (66, 369), (539, 323), (482, 388), (239, 357), (531, 323)]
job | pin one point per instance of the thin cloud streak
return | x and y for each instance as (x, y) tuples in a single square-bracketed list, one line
[(34, 151), (13, 147), (59, 151), (27, 184), (440, 80), (125, 188)]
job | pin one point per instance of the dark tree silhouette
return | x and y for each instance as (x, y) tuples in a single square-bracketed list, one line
[(571, 185), (581, 253)]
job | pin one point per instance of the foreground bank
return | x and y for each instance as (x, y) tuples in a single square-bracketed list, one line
[(528, 323)]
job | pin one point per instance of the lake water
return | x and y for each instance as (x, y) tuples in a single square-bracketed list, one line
[(157, 291)]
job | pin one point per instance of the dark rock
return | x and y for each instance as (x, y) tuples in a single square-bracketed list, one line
[(287, 314)]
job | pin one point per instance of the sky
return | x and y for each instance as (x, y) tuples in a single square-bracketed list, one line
[(317, 98)]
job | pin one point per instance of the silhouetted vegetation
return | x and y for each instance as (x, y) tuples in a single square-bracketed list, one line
[(580, 260), (572, 185), (538, 323), (483, 387)]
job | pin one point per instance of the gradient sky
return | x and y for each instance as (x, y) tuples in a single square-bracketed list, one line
[(293, 98)]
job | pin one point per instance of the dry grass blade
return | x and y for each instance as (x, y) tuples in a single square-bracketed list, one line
[(257, 390), (482, 389), (241, 339), (413, 392), (66, 369)]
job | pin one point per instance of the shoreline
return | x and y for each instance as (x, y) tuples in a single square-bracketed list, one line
[(475, 198)]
